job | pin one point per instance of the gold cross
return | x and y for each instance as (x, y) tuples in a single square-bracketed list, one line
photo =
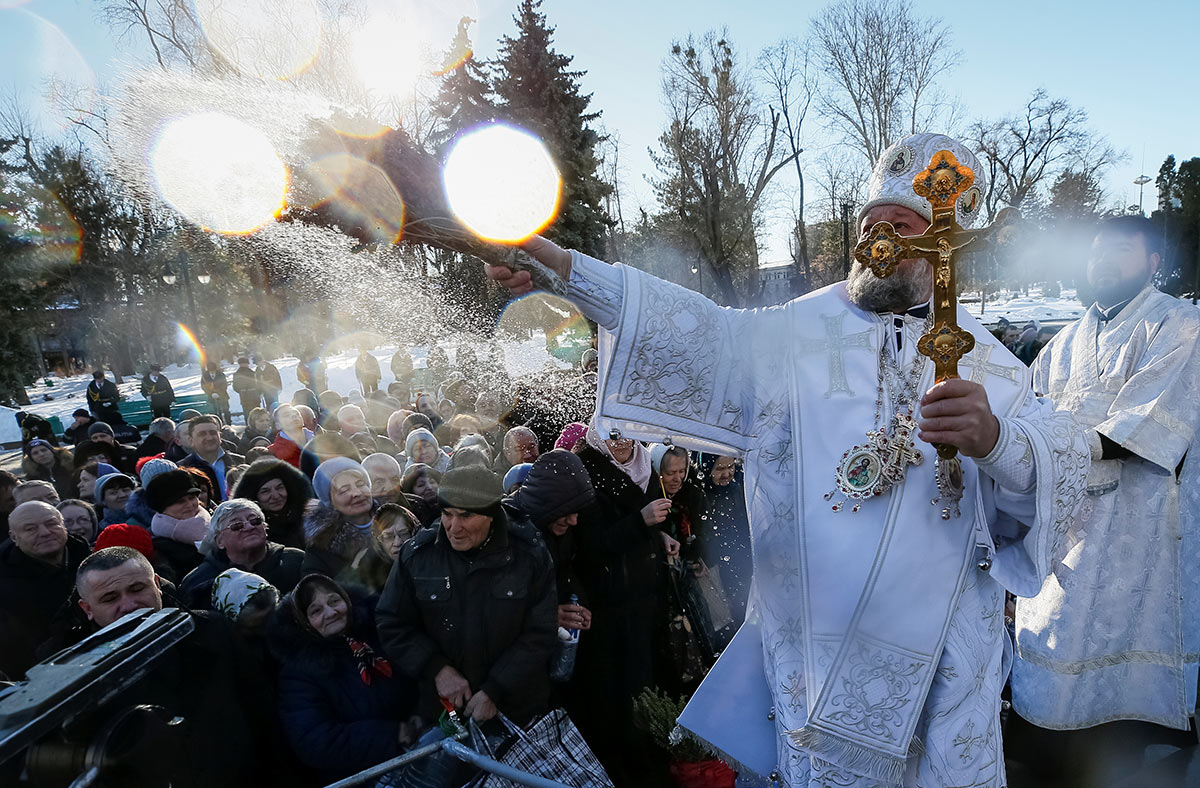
[(882, 249)]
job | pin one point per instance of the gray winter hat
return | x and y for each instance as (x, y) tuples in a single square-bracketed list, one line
[(472, 488)]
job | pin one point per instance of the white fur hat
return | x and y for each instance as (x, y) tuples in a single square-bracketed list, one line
[(891, 180)]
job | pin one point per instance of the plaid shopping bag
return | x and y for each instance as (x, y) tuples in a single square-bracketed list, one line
[(551, 747)]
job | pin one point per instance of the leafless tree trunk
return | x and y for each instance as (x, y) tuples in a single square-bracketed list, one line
[(881, 67), (787, 70)]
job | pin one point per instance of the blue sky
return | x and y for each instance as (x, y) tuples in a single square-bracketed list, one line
[(1133, 66)]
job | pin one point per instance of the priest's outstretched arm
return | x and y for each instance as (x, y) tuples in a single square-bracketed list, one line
[(686, 376)]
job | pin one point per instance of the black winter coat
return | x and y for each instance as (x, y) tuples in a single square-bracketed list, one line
[(334, 722), (281, 568), (159, 392), (31, 593), (491, 613), (618, 558), (151, 446)]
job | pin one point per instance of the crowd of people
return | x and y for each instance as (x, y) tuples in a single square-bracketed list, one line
[(351, 561)]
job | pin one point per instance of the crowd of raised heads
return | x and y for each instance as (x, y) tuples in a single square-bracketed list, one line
[(353, 558)]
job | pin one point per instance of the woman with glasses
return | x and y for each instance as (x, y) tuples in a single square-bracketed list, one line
[(237, 534)]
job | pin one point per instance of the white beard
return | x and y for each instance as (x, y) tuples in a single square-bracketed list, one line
[(895, 293)]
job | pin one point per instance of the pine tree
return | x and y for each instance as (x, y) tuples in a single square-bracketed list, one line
[(539, 92), (465, 97)]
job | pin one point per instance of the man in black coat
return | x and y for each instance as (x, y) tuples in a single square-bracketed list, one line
[(157, 389), (211, 679), (209, 455), (269, 382), (77, 432), (37, 573), (245, 383), (102, 398), (470, 607)]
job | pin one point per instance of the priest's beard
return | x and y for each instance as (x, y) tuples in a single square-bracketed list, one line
[(1117, 290), (909, 285)]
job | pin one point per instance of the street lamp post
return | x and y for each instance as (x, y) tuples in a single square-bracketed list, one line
[(1141, 181), (168, 276)]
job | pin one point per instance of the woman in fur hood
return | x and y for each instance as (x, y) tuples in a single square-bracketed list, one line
[(283, 493)]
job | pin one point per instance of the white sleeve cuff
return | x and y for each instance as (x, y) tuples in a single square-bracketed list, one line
[(597, 288), (1010, 463)]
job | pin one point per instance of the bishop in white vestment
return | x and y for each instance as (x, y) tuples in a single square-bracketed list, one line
[(1114, 633), (883, 644)]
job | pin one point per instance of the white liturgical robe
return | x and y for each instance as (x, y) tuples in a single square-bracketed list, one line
[(1115, 632), (882, 631)]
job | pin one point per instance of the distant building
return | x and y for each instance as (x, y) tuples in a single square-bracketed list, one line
[(775, 280)]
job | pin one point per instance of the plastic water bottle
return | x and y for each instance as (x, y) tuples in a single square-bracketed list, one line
[(563, 666)]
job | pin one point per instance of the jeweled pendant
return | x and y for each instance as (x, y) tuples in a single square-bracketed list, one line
[(950, 487)]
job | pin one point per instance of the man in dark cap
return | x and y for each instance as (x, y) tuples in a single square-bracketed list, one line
[(102, 398), (157, 389), (470, 606), (76, 433)]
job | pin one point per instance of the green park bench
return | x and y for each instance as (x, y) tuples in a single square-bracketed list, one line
[(137, 412)]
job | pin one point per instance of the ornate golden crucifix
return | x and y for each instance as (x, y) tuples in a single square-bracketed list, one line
[(882, 250)]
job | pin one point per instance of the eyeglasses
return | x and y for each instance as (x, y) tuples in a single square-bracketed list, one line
[(238, 526)]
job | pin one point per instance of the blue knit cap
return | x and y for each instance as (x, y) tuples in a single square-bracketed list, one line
[(323, 478), (516, 475)]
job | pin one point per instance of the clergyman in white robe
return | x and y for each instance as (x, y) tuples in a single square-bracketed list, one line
[(906, 606), (883, 645), (1114, 633)]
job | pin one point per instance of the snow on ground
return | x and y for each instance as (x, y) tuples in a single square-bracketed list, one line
[(523, 358), (1020, 309)]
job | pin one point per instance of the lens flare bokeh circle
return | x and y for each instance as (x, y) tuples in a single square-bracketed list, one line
[(501, 183), (219, 172)]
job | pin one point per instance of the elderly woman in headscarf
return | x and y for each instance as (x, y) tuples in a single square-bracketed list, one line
[(344, 706), (620, 561), (246, 600), (337, 526), (725, 532), (422, 447), (420, 487)]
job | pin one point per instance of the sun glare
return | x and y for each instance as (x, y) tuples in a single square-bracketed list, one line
[(267, 38), (219, 172), (501, 182)]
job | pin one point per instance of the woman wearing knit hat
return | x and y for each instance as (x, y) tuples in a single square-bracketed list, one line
[(337, 526), (420, 486), (483, 574), (50, 464), (112, 493), (180, 523)]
